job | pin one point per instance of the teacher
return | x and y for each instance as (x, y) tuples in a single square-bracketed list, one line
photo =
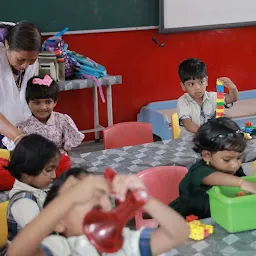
[(19, 48)]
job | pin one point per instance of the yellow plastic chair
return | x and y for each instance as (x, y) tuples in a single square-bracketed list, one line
[(254, 167), (4, 153), (3, 223), (175, 126)]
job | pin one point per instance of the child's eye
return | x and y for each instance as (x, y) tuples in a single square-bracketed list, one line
[(190, 84), (201, 82), (226, 160)]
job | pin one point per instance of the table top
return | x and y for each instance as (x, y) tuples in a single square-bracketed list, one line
[(220, 243), (76, 84), (136, 158)]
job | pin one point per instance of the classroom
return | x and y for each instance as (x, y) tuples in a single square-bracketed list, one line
[(128, 128)]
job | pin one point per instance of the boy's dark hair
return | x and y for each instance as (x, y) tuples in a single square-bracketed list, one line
[(37, 91), (192, 69), (24, 36), (31, 155), (219, 134), (57, 184)]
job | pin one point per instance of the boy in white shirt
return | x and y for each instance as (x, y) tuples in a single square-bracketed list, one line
[(197, 106)]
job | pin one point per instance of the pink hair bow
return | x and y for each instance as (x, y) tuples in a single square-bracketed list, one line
[(47, 80)]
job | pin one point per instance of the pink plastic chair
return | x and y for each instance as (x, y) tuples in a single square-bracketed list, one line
[(162, 183), (127, 134)]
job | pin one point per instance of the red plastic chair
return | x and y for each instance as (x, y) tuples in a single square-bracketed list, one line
[(127, 134), (162, 183)]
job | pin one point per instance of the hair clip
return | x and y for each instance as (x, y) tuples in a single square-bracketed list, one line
[(47, 80), (232, 134)]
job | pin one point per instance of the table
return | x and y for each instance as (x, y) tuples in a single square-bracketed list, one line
[(220, 243), (107, 82), (136, 158)]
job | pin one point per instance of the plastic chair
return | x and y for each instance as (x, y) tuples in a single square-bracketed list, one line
[(162, 183), (3, 223), (127, 134), (175, 126)]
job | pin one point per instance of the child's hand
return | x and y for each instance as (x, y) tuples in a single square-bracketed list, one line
[(248, 186), (227, 82), (88, 189), (122, 183)]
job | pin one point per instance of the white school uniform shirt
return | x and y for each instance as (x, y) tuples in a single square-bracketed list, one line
[(25, 210), (12, 101), (80, 246), (188, 108)]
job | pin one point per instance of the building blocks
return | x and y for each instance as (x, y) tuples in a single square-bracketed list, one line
[(199, 230), (220, 99)]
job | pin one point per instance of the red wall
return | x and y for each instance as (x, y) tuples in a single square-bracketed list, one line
[(150, 72)]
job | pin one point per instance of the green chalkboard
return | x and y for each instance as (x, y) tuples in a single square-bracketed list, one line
[(54, 15)]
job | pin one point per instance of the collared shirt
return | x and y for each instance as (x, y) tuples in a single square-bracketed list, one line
[(60, 129), (189, 108), (136, 243), (25, 210)]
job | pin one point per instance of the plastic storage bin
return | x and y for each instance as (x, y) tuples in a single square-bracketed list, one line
[(233, 213)]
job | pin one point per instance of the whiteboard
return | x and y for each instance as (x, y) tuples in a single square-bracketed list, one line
[(189, 15)]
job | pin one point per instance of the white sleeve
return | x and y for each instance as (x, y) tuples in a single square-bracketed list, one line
[(24, 211), (56, 246)]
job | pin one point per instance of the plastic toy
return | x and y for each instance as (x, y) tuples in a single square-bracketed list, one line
[(104, 229), (249, 128), (191, 218), (199, 230), (247, 136), (220, 99)]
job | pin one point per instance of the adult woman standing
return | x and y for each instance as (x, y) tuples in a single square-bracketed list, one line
[(19, 50)]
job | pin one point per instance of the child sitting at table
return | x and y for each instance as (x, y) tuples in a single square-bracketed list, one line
[(197, 106), (33, 164), (41, 97), (71, 197), (221, 144)]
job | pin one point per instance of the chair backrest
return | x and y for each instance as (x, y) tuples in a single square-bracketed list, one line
[(3, 223), (175, 126), (127, 134), (162, 183)]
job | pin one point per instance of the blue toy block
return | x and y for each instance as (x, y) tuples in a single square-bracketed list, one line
[(220, 88)]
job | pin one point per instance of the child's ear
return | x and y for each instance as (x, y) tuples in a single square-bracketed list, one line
[(55, 103), (206, 155), (182, 86)]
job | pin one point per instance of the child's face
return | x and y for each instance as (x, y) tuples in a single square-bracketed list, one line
[(72, 224), (42, 108), (224, 161), (195, 87), (46, 177)]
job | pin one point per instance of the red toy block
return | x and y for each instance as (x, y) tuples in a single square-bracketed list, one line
[(191, 218), (220, 95), (206, 233), (248, 124)]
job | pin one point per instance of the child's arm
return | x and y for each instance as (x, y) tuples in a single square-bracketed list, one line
[(189, 125), (232, 95), (224, 179), (173, 229), (185, 114), (9, 130), (28, 240)]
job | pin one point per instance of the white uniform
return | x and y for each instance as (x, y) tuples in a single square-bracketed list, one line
[(13, 104)]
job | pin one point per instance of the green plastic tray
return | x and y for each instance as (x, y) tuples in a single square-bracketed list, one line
[(234, 214)]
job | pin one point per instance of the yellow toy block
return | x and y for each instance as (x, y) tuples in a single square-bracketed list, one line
[(218, 82), (247, 136), (199, 230), (220, 100), (220, 110)]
